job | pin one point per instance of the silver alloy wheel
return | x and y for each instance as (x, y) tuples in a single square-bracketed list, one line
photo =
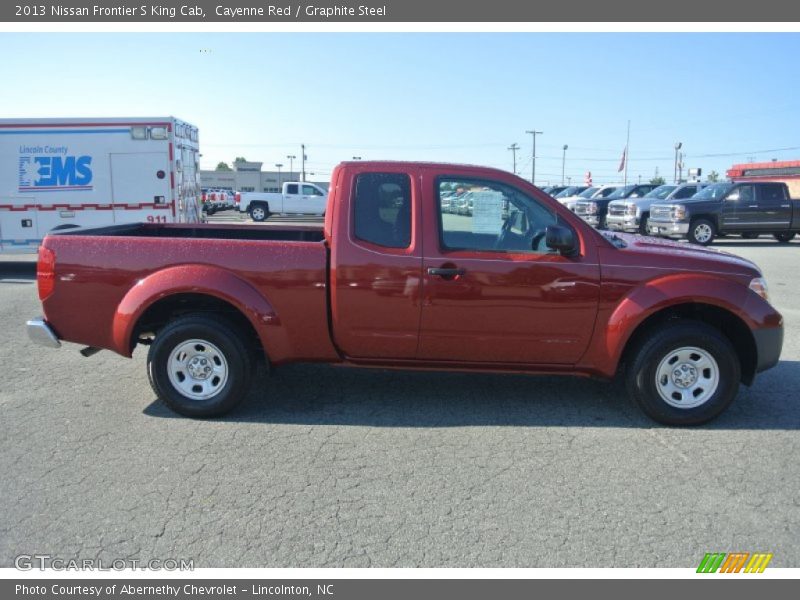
[(197, 369), (259, 214), (702, 232), (687, 377)]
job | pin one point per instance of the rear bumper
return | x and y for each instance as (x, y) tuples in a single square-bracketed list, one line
[(769, 343), (42, 334)]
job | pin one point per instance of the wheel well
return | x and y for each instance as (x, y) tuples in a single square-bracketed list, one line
[(724, 321), (163, 311)]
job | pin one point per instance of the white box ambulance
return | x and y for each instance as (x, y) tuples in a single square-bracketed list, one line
[(59, 173)]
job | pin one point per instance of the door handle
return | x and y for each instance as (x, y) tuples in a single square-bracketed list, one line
[(442, 272), (752, 206), (786, 206)]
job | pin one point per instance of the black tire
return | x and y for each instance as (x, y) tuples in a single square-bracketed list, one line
[(214, 332), (643, 224), (259, 211), (750, 235), (641, 375), (784, 237), (702, 232)]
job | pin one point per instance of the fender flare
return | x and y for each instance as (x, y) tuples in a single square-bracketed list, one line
[(656, 295), (194, 279)]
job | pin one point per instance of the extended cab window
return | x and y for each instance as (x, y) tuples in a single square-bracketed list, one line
[(490, 216), (771, 193), (292, 188), (310, 190), (383, 209)]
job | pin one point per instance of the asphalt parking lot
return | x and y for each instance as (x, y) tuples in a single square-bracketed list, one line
[(334, 467)]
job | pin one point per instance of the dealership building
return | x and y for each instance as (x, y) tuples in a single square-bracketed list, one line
[(248, 177)]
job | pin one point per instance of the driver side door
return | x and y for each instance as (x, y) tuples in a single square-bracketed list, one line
[(492, 291)]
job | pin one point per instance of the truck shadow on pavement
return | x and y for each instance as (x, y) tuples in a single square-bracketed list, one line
[(326, 395)]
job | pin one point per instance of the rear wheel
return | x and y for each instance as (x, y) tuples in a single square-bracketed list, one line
[(702, 232), (198, 366), (784, 237), (686, 373), (259, 212)]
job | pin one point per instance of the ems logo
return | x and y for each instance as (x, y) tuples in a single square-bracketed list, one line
[(54, 173)]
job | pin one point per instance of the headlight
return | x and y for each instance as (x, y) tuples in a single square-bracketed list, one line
[(591, 208), (759, 286), (680, 212), (631, 209)]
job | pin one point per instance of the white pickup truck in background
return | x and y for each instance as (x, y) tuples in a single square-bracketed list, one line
[(296, 198)]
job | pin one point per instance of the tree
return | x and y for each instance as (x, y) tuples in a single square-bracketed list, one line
[(223, 166), (659, 180), (240, 159), (713, 177)]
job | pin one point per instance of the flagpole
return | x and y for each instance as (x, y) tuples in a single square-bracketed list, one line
[(627, 152)]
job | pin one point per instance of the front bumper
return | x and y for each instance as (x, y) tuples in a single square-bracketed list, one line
[(592, 220), (669, 229), (42, 334), (769, 343), (629, 223)]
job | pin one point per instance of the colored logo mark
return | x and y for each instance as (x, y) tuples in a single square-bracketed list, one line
[(735, 562)]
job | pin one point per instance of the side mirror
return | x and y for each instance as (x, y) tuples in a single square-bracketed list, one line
[(561, 238), (733, 196)]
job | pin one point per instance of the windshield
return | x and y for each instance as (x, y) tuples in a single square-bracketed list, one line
[(714, 192), (621, 192), (661, 192), (588, 192), (570, 191)]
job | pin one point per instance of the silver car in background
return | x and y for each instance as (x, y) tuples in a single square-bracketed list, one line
[(631, 214)]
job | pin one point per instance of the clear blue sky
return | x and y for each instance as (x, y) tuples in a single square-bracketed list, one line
[(457, 97)]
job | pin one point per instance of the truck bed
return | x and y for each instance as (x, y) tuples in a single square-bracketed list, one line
[(285, 269)]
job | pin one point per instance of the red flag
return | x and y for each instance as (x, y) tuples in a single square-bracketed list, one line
[(622, 162)]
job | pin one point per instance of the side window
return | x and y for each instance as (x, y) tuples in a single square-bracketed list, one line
[(292, 189), (310, 190), (490, 216), (382, 209), (686, 192), (604, 193), (771, 193), (746, 194)]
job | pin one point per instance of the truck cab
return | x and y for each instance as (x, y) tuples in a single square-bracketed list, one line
[(745, 208), (595, 211), (295, 198)]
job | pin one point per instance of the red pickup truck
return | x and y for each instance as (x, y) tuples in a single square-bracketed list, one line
[(418, 266)]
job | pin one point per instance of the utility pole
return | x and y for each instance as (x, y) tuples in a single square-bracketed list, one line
[(279, 165), (563, 162), (534, 133), (291, 158), (303, 158), (678, 146), (514, 147)]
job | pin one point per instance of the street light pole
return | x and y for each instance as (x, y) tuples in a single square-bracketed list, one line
[(678, 146), (514, 147), (534, 133), (291, 158), (279, 165), (563, 162), (303, 159)]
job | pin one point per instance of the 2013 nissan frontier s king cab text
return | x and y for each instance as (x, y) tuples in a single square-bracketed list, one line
[(418, 266)]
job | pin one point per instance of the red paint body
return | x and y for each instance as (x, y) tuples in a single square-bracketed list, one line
[(344, 300)]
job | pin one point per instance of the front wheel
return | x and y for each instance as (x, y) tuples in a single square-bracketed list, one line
[(686, 373), (198, 366), (702, 232), (784, 237)]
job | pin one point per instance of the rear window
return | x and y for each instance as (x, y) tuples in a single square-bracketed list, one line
[(382, 209)]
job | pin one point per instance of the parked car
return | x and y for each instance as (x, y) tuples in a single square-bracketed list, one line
[(522, 285), (746, 208), (631, 215), (296, 198), (594, 211), (556, 189), (592, 192), (572, 190)]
